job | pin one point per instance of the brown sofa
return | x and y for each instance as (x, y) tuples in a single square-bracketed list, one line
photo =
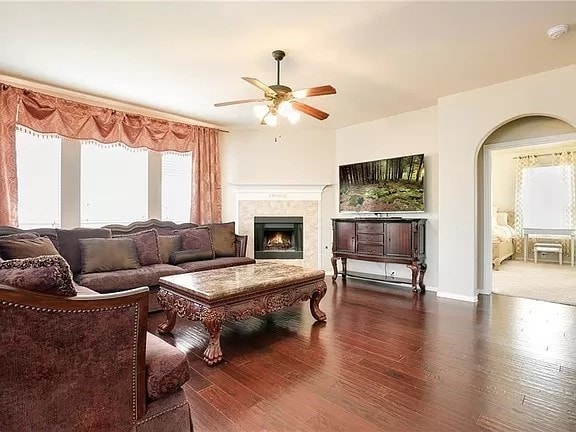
[(66, 242), (87, 363)]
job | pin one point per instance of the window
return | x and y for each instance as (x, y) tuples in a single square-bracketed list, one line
[(546, 196), (176, 187), (114, 185), (38, 167)]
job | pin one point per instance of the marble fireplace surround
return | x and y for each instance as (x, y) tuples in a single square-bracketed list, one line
[(282, 200)]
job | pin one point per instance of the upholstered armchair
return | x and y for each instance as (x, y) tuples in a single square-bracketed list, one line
[(82, 364)]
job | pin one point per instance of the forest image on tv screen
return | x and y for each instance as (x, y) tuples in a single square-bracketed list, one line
[(388, 185)]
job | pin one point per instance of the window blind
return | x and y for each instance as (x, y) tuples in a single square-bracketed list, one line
[(176, 187), (38, 160), (114, 185)]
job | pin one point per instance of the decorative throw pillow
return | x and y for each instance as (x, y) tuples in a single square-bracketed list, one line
[(224, 239), (146, 246), (196, 238), (168, 244), (26, 247), (103, 255), (70, 247), (191, 255), (48, 274)]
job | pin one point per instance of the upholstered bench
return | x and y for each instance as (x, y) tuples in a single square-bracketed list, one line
[(548, 248)]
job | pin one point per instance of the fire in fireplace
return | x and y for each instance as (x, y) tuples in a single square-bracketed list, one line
[(278, 237)]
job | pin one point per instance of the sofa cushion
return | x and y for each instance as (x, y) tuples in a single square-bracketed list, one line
[(69, 246), (166, 368), (215, 263), (168, 244), (121, 280), (49, 274), (146, 246), (179, 257), (28, 247), (196, 238), (223, 239), (102, 255)]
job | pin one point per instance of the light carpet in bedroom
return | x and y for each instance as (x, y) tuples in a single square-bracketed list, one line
[(542, 281)]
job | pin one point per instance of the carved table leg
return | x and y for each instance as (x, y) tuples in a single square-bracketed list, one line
[(344, 263), (415, 271), (315, 298), (212, 353), (334, 261), (168, 325), (421, 274)]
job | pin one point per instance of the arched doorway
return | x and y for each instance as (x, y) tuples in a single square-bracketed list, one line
[(496, 186)]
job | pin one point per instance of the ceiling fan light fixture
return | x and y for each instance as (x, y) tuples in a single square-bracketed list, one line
[(271, 119), (299, 94), (261, 110), (285, 109), (293, 117)]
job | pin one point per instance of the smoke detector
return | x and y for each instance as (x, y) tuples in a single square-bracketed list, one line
[(557, 31)]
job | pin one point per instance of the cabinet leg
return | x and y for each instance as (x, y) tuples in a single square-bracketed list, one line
[(344, 269), (334, 261), (415, 270), (421, 274)]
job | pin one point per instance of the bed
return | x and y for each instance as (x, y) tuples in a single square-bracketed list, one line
[(503, 246)]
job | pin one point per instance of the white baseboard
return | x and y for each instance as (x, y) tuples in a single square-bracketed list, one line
[(471, 299), (431, 288)]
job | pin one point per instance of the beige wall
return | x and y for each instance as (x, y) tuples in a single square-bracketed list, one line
[(503, 180), (465, 120), (529, 127), (400, 135), (273, 156)]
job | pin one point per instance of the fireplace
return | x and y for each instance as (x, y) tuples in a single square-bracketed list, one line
[(278, 237)]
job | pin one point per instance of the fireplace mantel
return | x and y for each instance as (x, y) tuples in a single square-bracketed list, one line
[(250, 192), (282, 200)]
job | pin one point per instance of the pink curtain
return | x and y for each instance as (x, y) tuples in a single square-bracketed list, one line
[(206, 189), (8, 181), (48, 114)]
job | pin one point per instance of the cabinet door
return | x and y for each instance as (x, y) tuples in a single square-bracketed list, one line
[(344, 236), (398, 239)]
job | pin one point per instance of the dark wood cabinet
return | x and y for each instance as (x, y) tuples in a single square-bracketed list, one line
[(388, 240)]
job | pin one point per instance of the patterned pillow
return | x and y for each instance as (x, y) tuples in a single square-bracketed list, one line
[(196, 238), (49, 274), (146, 246)]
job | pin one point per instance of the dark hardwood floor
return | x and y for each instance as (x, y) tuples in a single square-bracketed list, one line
[(388, 361)]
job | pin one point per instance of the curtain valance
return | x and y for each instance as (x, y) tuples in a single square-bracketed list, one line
[(49, 114)]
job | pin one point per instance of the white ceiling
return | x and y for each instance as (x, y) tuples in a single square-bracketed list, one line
[(383, 58)]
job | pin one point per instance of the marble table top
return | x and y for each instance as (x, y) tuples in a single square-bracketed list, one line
[(229, 282)]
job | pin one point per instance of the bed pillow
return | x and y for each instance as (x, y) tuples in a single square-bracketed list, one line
[(146, 246), (26, 247), (104, 255), (49, 274), (168, 244)]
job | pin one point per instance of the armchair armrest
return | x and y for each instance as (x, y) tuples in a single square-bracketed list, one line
[(241, 242)]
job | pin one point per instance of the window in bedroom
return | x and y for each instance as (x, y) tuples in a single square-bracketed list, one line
[(176, 186), (547, 193), (114, 185), (38, 167)]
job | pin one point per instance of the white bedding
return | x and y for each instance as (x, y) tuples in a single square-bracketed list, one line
[(502, 232)]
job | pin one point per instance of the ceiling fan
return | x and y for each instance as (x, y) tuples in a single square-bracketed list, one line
[(281, 100)]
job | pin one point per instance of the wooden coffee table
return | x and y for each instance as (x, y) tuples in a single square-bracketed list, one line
[(236, 293)]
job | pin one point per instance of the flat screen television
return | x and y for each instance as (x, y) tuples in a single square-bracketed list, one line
[(383, 186)]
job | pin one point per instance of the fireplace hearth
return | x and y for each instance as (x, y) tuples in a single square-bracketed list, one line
[(278, 237)]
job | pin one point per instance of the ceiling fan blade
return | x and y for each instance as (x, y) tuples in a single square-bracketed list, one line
[(314, 91), (237, 102), (260, 85), (311, 111)]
